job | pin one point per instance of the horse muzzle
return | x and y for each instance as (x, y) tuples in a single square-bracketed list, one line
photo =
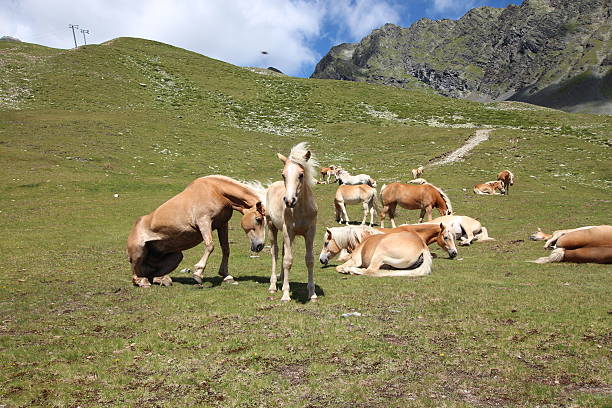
[(290, 203), (323, 259), (257, 247), (452, 253)]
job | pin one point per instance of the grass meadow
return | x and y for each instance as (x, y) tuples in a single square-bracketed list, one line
[(142, 119)]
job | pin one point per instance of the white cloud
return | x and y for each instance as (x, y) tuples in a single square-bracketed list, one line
[(360, 17), (452, 8)]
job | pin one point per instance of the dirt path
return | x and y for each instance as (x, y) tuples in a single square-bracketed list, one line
[(458, 154)]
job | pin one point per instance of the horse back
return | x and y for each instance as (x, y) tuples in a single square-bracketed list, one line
[(599, 236)]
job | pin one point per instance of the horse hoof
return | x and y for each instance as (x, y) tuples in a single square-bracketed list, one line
[(198, 278), (167, 281), (285, 300), (142, 283), (230, 279), (314, 299)]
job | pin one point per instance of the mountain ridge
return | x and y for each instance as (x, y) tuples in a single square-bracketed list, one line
[(544, 52)]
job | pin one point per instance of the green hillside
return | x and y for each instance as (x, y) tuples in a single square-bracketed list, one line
[(142, 119)]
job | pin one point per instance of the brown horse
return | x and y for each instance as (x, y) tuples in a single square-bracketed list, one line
[(327, 173), (355, 194), (398, 254), (417, 173), (507, 178), (157, 240), (490, 187), (346, 239), (292, 208), (412, 197), (580, 245)]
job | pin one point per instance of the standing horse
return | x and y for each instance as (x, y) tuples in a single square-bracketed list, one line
[(465, 228), (398, 254), (344, 240), (343, 177), (292, 208), (507, 178), (413, 197), (418, 172), (490, 188), (580, 245), (157, 240), (348, 194), (327, 172)]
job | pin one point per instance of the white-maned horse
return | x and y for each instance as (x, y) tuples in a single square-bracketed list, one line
[(343, 177), (292, 208), (465, 228)]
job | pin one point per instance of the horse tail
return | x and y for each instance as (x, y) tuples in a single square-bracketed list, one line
[(555, 256), (374, 201), (483, 235), (382, 189), (447, 201)]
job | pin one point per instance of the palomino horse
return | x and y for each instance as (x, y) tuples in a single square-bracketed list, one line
[(465, 228), (327, 172), (398, 254), (580, 245), (418, 172), (343, 177), (157, 240), (507, 178), (361, 193), (419, 180), (413, 197), (292, 208), (490, 187), (344, 240)]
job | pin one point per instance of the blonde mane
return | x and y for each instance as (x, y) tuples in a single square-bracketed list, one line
[(310, 166), (511, 177), (350, 236), (447, 201)]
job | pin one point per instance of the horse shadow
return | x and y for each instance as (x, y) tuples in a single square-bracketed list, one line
[(299, 290), (367, 224)]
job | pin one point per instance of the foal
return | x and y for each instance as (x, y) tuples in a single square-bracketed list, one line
[(361, 193)]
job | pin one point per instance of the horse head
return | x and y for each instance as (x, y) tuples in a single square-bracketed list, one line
[(254, 226), (330, 248), (539, 235), (446, 241), (293, 176)]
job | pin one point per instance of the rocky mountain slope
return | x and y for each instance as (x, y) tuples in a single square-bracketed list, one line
[(555, 53)]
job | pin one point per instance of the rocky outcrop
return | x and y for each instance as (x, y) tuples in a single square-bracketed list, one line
[(555, 53)]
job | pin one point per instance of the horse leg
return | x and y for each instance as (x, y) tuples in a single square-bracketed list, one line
[(392, 208), (365, 206), (274, 243), (309, 259), (225, 251), (136, 255), (354, 261), (345, 215), (288, 237), (206, 231)]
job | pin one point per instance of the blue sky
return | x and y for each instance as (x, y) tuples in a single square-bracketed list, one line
[(296, 34)]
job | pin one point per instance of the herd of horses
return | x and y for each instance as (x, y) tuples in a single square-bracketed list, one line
[(156, 241)]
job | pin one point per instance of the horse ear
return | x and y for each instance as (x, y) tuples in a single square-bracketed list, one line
[(281, 157), (539, 229), (260, 208), (307, 155), (442, 227), (329, 233)]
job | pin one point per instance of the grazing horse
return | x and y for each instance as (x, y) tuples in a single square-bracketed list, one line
[(418, 172), (465, 228), (398, 254), (361, 193), (327, 172), (292, 208), (344, 240), (490, 187), (343, 177), (157, 240), (507, 178), (413, 197), (586, 244)]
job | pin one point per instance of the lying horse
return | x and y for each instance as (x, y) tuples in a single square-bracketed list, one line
[(344, 240), (580, 245), (490, 187), (465, 228), (419, 180), (412, 197), (343, 177), (507, 178), (348, 194), (157, 240), (398, 254)]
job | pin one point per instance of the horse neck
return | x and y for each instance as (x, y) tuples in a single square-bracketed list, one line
[(240, 197), (430, 235), (441, 204)]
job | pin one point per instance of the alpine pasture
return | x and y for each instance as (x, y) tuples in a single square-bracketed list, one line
[(92, 138)]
